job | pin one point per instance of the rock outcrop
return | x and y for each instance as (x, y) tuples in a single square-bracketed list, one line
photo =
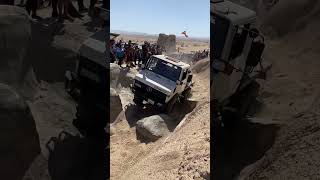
[(153, 127), (167, 42)]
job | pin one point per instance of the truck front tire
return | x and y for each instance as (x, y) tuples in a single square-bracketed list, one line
[(170, 105), (186, 94), (138, 101)]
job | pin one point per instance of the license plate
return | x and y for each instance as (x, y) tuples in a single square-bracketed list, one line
[(150, 101)]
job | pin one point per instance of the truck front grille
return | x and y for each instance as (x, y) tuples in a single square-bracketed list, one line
[(151, 93)]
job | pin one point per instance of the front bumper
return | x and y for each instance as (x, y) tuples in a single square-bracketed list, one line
[(151, 98)]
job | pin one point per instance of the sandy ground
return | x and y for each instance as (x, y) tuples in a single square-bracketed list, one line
[(292, 99), (184, 154)]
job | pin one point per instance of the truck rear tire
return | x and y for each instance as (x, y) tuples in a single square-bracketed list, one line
[(245, 98)]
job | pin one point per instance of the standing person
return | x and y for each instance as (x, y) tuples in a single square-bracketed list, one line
[(129, 54), (119, 54), (81, 6), (144, 52), (31, 7), (112, 55), (54, 13), (60, 9), (91, 7), (66, 7), (137, 55)]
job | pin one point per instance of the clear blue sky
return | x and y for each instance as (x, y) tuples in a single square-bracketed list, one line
[(161, 16)]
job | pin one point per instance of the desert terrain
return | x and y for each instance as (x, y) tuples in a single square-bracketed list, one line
[(185, 45), (282, 140), (182, 154)]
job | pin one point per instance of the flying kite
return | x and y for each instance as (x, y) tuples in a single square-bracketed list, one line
[(185, 34)]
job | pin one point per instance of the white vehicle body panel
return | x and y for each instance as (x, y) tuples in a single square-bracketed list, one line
[(156, 81)]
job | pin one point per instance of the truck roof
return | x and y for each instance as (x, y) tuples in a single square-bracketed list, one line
[(235, 13), (173, 61)]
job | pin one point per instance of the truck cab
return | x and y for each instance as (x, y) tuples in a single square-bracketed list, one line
[(162, 82)]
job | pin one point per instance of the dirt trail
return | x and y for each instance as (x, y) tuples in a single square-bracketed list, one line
[(185, 153)]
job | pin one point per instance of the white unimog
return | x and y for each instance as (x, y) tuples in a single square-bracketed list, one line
[(162, 82), (237, 48)]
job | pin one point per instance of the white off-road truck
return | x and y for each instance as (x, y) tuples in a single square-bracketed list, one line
[(162, 82), (237, 61)]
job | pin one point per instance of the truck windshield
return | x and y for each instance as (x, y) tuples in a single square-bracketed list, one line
[(164, 68)]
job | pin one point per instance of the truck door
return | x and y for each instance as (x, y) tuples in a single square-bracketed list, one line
[(184, 79)]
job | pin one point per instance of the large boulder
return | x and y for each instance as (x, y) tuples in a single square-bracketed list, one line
[(167, 42), (114, 74), (18, 135), (121, 77), (153, 127), (115, 105), (15, 34), (126, 77), (15, 67)]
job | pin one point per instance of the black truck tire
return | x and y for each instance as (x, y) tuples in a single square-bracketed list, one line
[(171, 104), (137, 100), (240, 104), (186, 94)]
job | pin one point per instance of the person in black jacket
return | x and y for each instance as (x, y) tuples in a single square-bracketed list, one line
[(31, 7)]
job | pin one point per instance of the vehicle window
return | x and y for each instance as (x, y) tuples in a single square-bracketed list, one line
[(239, 41), (164, 69)]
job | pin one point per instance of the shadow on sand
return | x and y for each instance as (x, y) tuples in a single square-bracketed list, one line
[(239, 146)]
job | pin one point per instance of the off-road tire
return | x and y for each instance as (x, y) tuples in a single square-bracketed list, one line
[(138, 101), (169, 107)]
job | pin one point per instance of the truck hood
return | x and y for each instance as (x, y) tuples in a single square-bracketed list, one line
[(156, 81)]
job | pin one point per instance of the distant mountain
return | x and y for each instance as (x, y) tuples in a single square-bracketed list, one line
[(156, 35)]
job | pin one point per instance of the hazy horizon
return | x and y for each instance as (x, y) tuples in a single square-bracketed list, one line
[(148, 34), (161, 16)]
